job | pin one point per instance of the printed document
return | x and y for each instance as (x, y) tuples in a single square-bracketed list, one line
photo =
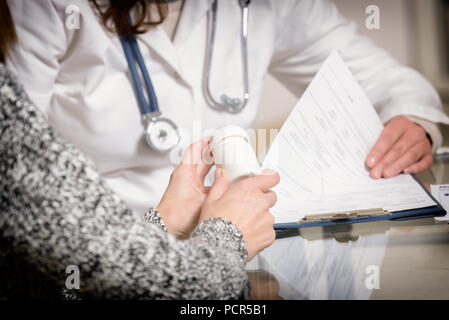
[(321, 149)]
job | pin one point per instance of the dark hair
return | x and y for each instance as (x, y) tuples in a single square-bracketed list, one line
[(114, 15), (8, 35)]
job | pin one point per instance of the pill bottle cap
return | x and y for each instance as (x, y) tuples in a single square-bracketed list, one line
[(227, 132), (232, 150)]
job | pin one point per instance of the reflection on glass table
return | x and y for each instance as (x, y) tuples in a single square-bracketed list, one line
[(375, 260)]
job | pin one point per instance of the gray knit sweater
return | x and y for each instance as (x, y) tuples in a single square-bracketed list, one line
[(56, 212)]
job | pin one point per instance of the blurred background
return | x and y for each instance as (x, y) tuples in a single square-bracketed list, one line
[(415, 32)]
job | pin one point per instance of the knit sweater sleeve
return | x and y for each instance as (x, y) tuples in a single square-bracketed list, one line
[(152, 216), (57, 212)]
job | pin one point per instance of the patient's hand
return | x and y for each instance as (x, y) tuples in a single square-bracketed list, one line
[(181, 203), (402, 147), (246, 204)]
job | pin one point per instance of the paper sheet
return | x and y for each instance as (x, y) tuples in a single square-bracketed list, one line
[(320, 153)]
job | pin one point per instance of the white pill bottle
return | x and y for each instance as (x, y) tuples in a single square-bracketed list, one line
[(232, 151)]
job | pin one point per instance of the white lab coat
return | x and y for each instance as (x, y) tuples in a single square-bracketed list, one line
[(80, 78)]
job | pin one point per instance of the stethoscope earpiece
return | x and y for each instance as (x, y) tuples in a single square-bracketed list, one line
[(233, 105)]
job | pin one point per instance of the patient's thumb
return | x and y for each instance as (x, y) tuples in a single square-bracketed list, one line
[(221, 184)]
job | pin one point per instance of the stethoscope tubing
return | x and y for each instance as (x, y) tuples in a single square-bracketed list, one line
[(151, 106), (133, 55), (236, 108)]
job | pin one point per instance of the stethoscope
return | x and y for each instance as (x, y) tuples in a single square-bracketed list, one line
[(161, 133), (231, 105)]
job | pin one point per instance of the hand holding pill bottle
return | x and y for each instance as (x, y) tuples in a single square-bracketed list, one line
[(232, 151)]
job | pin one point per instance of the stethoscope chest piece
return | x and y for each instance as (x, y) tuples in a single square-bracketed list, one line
[(161, 133)]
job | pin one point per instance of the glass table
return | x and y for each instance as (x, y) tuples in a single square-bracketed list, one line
[(373, 260)]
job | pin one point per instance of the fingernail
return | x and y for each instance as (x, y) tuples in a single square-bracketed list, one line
[(268, 171), (377, 173), (408, 170), (217, 173), (372, 161), (390, 173)]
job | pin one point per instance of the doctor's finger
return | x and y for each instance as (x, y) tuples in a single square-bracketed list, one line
[(389, 136), (396, 152), (424, 164), (409, 158)]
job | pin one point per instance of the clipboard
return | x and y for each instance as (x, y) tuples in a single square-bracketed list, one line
[(367, 215)]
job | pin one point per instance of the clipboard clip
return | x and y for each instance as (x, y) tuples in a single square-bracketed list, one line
[(345, 215)]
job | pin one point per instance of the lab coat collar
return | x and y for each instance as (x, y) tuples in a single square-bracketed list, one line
[(158, 40), (192, 12)]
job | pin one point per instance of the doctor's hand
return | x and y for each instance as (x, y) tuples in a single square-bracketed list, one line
[(181, 203), (403, 147), (246, 204)]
